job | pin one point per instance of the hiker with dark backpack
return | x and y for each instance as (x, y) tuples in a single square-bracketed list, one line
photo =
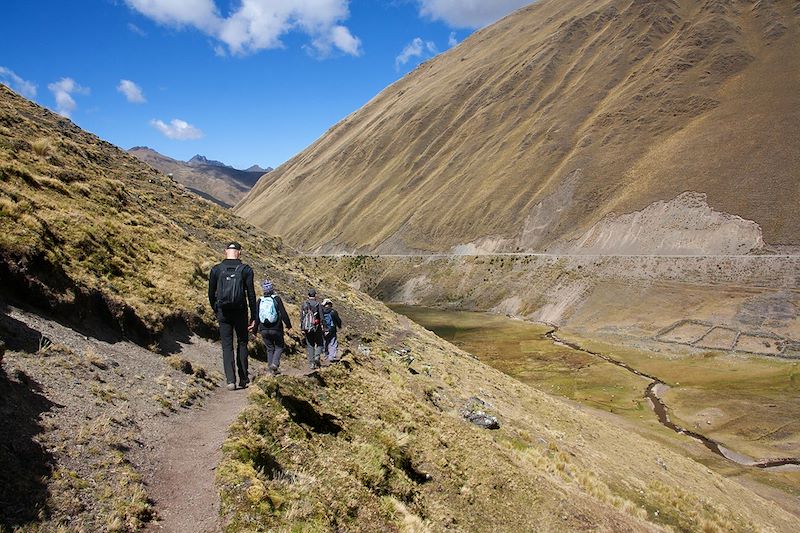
[(311, 324), (272, 316), (231, 293), (330, 324)]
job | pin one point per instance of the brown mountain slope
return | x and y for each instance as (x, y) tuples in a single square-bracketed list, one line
[(534, 129), (223, 185)]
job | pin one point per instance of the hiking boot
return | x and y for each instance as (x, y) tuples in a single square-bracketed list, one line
[(244, 384), (231, 386)]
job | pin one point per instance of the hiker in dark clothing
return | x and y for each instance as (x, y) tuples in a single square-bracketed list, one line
[(311, 324), (272, 316), (330, 324), (231, 293)]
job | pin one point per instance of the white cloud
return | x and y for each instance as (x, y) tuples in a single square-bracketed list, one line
[(259, 24), (201, 14), (177, 129), (137, 30), (11, 80), (469, 13), (63, 90), (345, 41), (131, 91), (416, 48), (452, 40)]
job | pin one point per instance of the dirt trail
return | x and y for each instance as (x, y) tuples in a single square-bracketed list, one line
[(183, 468), (180, 474)]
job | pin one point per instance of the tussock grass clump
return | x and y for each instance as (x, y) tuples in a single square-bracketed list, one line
[(93, 358), (42, 147)]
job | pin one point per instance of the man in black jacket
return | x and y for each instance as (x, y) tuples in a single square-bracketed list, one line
[(272, 331), (231, 293)]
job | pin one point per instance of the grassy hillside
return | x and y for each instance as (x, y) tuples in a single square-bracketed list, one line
[(535, 128), (95, 238)]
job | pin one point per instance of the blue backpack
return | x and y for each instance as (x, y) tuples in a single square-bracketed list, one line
[(328, 319), (267, 310)]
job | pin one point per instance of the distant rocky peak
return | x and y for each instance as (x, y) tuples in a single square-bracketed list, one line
[(258, 168), (203, 160)]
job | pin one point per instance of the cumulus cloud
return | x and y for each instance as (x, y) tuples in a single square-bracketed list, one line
[(177, 129), (416, 48), (63, 90), (469, 13), (259, 24), (131, 91), (9, 78)]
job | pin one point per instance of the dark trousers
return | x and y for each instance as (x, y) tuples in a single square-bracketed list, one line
[(273, 341), (231, 322), (314, 346)]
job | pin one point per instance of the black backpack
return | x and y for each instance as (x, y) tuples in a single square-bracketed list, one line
[(230, 288)]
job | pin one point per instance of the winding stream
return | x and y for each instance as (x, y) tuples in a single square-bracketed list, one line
[(654, 392)]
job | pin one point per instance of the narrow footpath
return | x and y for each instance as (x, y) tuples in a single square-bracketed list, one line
[(181, 482), (180, 472)]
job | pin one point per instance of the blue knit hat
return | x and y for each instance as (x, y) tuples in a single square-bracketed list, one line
[(267, 286)]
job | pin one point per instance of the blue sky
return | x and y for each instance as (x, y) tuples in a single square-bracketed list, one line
[(241, 81)]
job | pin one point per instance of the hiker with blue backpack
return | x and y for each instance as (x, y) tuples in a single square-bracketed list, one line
[(311, 324), (272, 316), (330, 324), (231, 293)]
